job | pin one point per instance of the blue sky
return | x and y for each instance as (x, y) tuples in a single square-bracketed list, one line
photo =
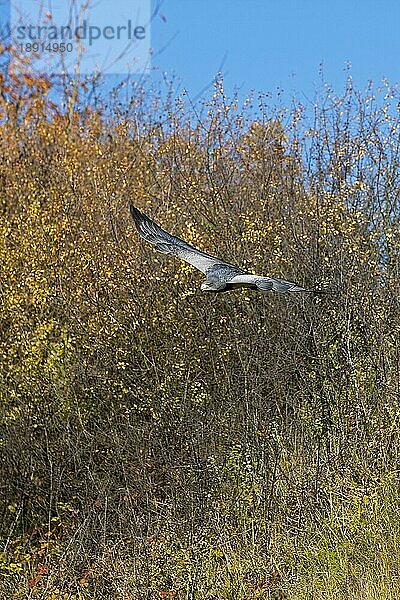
[(267, 45), (270, 44)]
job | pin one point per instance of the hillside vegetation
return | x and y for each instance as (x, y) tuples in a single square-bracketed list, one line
[(158, 442)]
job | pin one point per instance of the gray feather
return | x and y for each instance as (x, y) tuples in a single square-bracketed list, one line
[(170, 244)]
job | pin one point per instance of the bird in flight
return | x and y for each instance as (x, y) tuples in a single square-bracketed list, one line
[(220, 275)]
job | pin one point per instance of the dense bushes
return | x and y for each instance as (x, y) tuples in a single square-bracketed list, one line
[(158, 442)]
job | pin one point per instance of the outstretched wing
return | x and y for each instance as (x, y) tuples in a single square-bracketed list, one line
[(169, 244), (266, 284)]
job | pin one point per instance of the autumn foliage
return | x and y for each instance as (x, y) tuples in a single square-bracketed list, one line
[(161, 443)]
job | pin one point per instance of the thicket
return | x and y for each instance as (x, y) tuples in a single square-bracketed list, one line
[(158, 442)]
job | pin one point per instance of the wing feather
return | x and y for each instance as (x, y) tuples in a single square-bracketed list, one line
[(266, 283), (170, 244)]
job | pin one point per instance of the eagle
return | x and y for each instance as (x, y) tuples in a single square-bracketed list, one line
[(220, 275)]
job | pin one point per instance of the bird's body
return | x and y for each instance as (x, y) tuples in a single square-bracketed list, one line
[(220, 276)]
